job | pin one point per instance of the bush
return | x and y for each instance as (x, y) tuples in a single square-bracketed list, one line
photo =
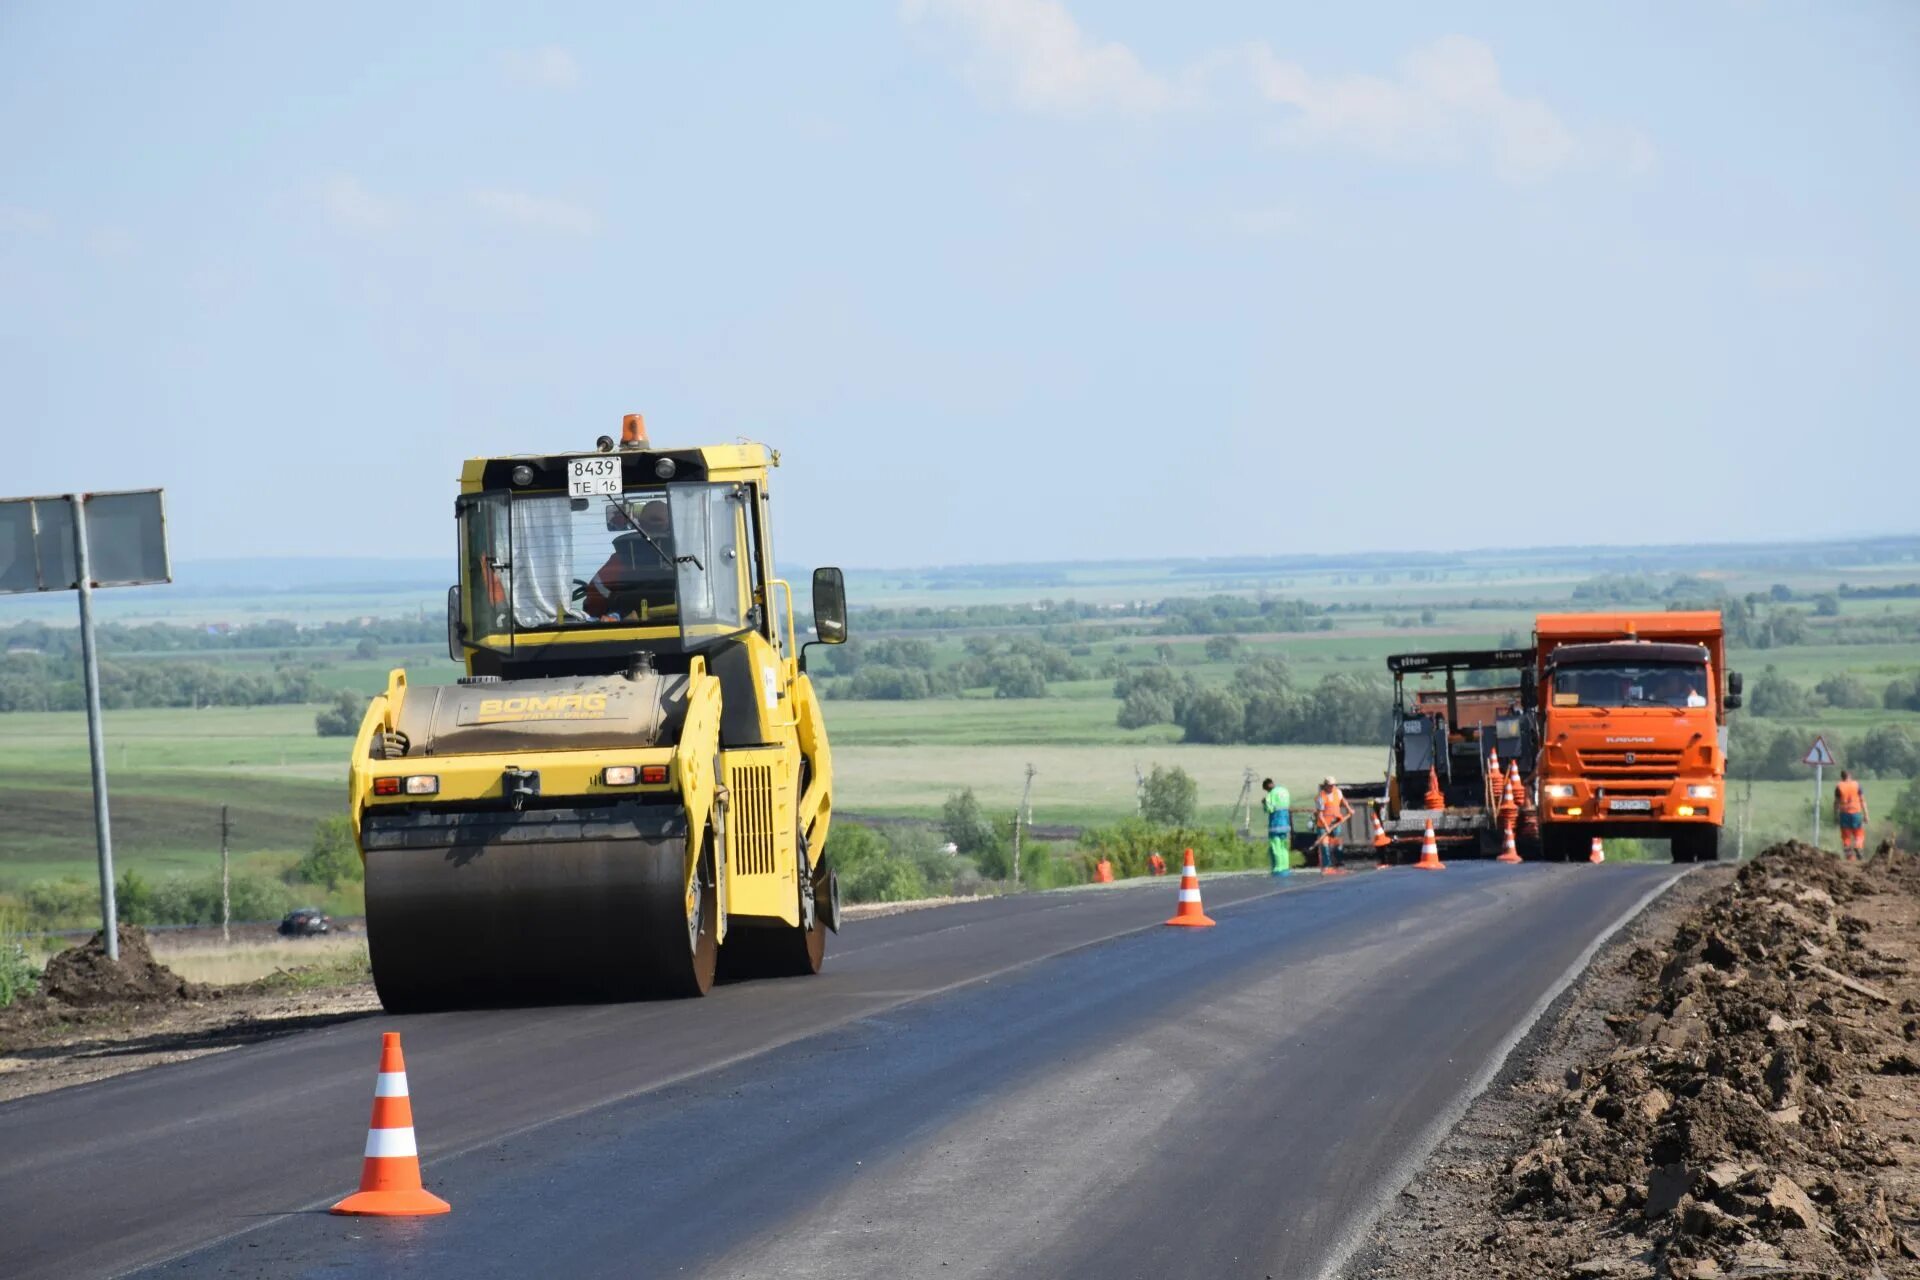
[(1901, 694), (1777, 697), (17, 973), (1167, 796), (1845, 690), (342, 719), (1888, 752), (1143, 706), (196, 899), (133, 898), (1905, 815), (1128, 843), (333, 859), (869, 869), (1221, 648), (965, 825), (1214, 715), (66, 901)]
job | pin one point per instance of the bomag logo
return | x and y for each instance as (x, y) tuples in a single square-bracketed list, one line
[(560, 706)]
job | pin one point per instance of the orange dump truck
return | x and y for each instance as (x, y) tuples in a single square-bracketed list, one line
[(1616, 723), (1632, 712)]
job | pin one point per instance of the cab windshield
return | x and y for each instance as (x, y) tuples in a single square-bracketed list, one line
[(1653, 684), (664, 559)]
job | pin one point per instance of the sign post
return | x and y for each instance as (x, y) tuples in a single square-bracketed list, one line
[(76, 543), (1819, 757)]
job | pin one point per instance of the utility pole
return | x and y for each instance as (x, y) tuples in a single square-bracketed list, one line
[(226, 896), (96, 739), (1746, 819), (1023, 816)]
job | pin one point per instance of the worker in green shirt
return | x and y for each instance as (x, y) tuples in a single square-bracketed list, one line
[(1279, 827)]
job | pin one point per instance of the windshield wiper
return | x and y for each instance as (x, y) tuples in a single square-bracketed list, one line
[(658, 550)]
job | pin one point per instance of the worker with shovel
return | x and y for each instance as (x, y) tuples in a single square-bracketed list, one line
[(1330, 812), (1279, 827)]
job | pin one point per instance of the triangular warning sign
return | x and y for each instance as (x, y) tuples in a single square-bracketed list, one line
[(1820, 755)]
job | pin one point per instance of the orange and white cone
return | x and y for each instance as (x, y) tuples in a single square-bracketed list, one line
[(1496, 780), (1380, 841), (390, 1173), (1189, 912), (1597, 854), (1436, 799), (1429, 852), (1508, 852)]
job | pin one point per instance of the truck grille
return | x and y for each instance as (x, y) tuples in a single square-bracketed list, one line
[(750, 818), (1645, 763)]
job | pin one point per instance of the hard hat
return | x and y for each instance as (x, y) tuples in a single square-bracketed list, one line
[(1327, 781)]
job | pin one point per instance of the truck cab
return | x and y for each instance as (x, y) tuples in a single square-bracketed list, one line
[(1633, 729)]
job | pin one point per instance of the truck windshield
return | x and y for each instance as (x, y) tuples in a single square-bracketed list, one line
[(1654, 684), (651, 558)]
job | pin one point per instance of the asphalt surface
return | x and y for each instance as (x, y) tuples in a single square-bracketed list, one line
[(1044, 1085)]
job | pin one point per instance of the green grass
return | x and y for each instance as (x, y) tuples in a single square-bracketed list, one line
[(1078, 785)]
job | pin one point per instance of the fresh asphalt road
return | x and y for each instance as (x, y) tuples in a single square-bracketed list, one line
[(1046, 1085)]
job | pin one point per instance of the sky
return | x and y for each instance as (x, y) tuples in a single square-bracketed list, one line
[(1004, 280)]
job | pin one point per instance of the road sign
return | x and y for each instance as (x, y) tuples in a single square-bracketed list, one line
[(79, 542), (1819, 756)]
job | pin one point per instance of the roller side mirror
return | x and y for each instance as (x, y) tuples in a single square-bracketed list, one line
[(455, 632)]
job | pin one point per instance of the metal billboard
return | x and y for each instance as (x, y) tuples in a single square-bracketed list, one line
[(126, 538)]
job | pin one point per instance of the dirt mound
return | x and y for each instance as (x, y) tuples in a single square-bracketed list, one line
[(84, 976), (1730, 1132)]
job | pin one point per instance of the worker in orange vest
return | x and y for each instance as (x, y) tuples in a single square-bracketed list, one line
[(1330, 813), (1850, 812), (1156, 864), (1103, 871)]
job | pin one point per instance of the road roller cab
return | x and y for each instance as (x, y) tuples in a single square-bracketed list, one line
[(630, 789)]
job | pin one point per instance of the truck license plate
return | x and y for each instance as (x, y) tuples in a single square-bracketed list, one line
[(593, 477), (1632, 806)]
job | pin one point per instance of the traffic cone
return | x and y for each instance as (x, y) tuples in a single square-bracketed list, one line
[(1429, 852), (390, 1174), (1189, 911), (1597, 854), (1529, 817), (1380, 841), (1508, 853), (1436, 800), (1496, 780)]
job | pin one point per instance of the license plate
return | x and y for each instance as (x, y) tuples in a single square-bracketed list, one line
[(593, 477), (1631, 806)]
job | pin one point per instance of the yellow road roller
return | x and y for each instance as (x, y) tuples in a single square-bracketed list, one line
[(629, 790)]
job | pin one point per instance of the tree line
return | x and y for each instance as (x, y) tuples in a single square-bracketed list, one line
[(36, 682), (1258, 705)]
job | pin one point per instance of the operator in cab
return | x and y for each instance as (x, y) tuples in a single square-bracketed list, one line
[(639, 575)]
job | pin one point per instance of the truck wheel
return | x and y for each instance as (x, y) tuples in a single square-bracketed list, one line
[(782, 952), (682, 961)]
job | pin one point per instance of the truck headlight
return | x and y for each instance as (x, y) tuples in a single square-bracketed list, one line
[(1559, 790), (1704, 792), (423, 784)]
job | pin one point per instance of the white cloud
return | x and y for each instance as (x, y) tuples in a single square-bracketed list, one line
[(1034, 53), (1445, 103), (15, 218), (349, 204), (538, 212), (549, 67)]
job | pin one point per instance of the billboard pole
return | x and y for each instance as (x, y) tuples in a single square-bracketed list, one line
[(96, 739)]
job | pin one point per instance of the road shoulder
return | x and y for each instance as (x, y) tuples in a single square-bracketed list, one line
[(1651, 1126)]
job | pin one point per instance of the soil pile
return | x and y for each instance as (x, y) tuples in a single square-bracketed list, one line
[(1758, 1115), (83, 976)]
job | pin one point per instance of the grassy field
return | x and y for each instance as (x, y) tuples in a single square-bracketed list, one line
[(171, 770)]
